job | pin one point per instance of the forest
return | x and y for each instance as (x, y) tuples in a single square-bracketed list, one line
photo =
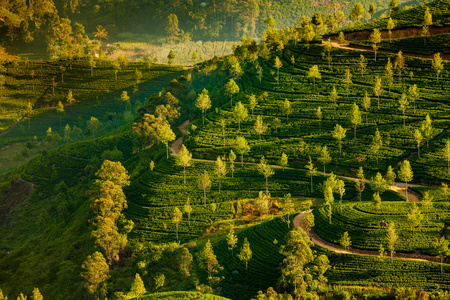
[(270, 150)]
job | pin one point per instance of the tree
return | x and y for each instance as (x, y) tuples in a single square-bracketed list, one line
[(188, 209), (293, 61), (418, 137), (319, 117), (314, 74), (62, 69), (21, 297), (403, 104), (427, 201), (427, 20), (240, 113), (328, 46), (165, 135), (92, 65), (340, 185), (125, 98), (54, 84), (262, 205), (437, 65), (246, 253), (372, 10), (260, 128), (96, 271), (362, 64), (221, 169), (339, 134), (347, 79), (172, 29), (231, 88), (366, 104), (378, 89), (377, 143), (36, 295), (400, 64), (329, 198), (345, 241), (378, 183), (278, 65), (232, 240), (405, 174), (209, 260), (93, 124), (390, 26), (389, 74), (170, 57), (390, 176), (376, 199), (394, 5), (284, 160), (334, 96), (276, 123), (308, 219), (60, 110), (242, 147), (265, 170), (252, 102), (70, 97), (137, 75), (205, 184), (413, 94), (232, 158), (177, 217), (392, 238), (116, 67), (223, 124), (287, 207), (446, 154), (324, 157), (149, 63), (360, 184), (159, 281), (311, 171), (427, 129), (137, 287), (341, 38), (185, 258), (356, 13), (415, 217), (203, 103), (442, 249), (184, 159), (375, 38), (355, 118), (287, 109)]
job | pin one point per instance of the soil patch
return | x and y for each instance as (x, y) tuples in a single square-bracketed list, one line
[(17, 193)]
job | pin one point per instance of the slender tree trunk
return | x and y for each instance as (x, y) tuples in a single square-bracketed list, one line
[(379, 99), (267, 187), (413, 231), (204, 197), (177, 229), (242, 160), (62, 77), (340, 204), (354, 133), (418, 149), (366, 118), (219, 184), (442, 262), (340, 146), (329, 213), (311, 184), (184, 175), (189, 219), (406, 190), (427, 213), (260, 141), (392, 254), (167, 151), (324, 168)]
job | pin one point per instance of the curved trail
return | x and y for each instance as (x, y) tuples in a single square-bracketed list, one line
[(317, 240), (176, 145)]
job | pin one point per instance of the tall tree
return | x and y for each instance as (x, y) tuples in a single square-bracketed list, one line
[(262, 205), (172, 29), (177, 217), (415, 217), (405, 174), (311, 171), (360, 184), (232, 158), (209, 260), (287, 207), (403, 104), (266, 170), (242, 147), (340, 185), (185, 258), (92, 64), (355, 118), (378, 89), (347, 79), (334, 96), (392, 238), (188, 209), (203, 103), (171, 58), (246, 253), (427, 201), (287, 109), (314, 74), (339, 135), (400, 64), (377, 143), (427, 20), (278, 65), (36, 295), (375, 38), (284, 160), (418, 137), (231, 88), (390, 26), (252, 102), (240, 113), (60, 110), (413, 94), (345, 241), (165, 135), (205, 184), (184, 159), (366, 104), (116, 67), (362, 64), (389, 74), (376, 199), (324, 157), (138, 287), (221, 169), (329, 198), (328, 46), (93, 125), (437, 64), (319, 117), (232, 240), (442, 249), (390, 176), (96, 271), (427, 129), (260, 128)]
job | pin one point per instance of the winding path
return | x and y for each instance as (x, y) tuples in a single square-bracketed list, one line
[(176, 145), (317, 240)]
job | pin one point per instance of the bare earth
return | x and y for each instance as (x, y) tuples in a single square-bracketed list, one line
[(176, 145)]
